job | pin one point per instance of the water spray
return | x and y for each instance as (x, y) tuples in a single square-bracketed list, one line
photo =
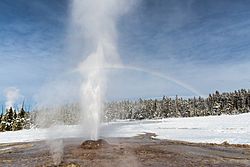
[(95, 21)]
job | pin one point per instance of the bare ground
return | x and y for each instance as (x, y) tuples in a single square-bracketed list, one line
[(126, 152)]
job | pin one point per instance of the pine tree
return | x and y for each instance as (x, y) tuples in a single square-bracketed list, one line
[(10, 115), (15, 115), (22, 113), (1, 116)]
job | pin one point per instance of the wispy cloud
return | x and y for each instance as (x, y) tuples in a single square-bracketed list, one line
[(31, 42), (204, 44)]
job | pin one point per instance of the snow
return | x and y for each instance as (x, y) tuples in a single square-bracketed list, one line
[(211, 129)]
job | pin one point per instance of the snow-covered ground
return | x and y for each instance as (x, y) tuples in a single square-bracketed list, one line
[(212, 129)]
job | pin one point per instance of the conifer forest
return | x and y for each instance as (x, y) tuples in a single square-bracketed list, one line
[(215, 104)]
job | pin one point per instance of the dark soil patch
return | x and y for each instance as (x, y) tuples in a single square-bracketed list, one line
[(94, 144), (127, 152)]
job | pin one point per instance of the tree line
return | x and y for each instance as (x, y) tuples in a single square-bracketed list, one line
[(14, 120), (215, 104)]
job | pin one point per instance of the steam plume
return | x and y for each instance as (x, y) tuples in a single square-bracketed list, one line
[(93, 28), (96, 20), (12, 94)]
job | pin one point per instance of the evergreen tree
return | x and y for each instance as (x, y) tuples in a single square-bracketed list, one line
[(1, 116), (22, 113), (15, 115), (10, 115)]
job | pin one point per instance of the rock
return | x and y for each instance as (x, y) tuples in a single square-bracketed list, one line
[(72, 165), (94, 144)]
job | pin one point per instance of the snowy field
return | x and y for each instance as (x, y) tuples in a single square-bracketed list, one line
[(211, 129)]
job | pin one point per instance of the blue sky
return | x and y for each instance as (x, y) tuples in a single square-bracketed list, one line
[(204, 44)]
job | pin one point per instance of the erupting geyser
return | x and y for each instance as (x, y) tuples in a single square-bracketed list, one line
[(92, 93), (95, 22), (93, 38)]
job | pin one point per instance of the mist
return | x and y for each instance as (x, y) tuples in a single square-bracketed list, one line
[(12, 95)]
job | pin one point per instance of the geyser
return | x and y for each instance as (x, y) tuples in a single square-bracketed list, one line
[(95, 22), (93, 38)]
